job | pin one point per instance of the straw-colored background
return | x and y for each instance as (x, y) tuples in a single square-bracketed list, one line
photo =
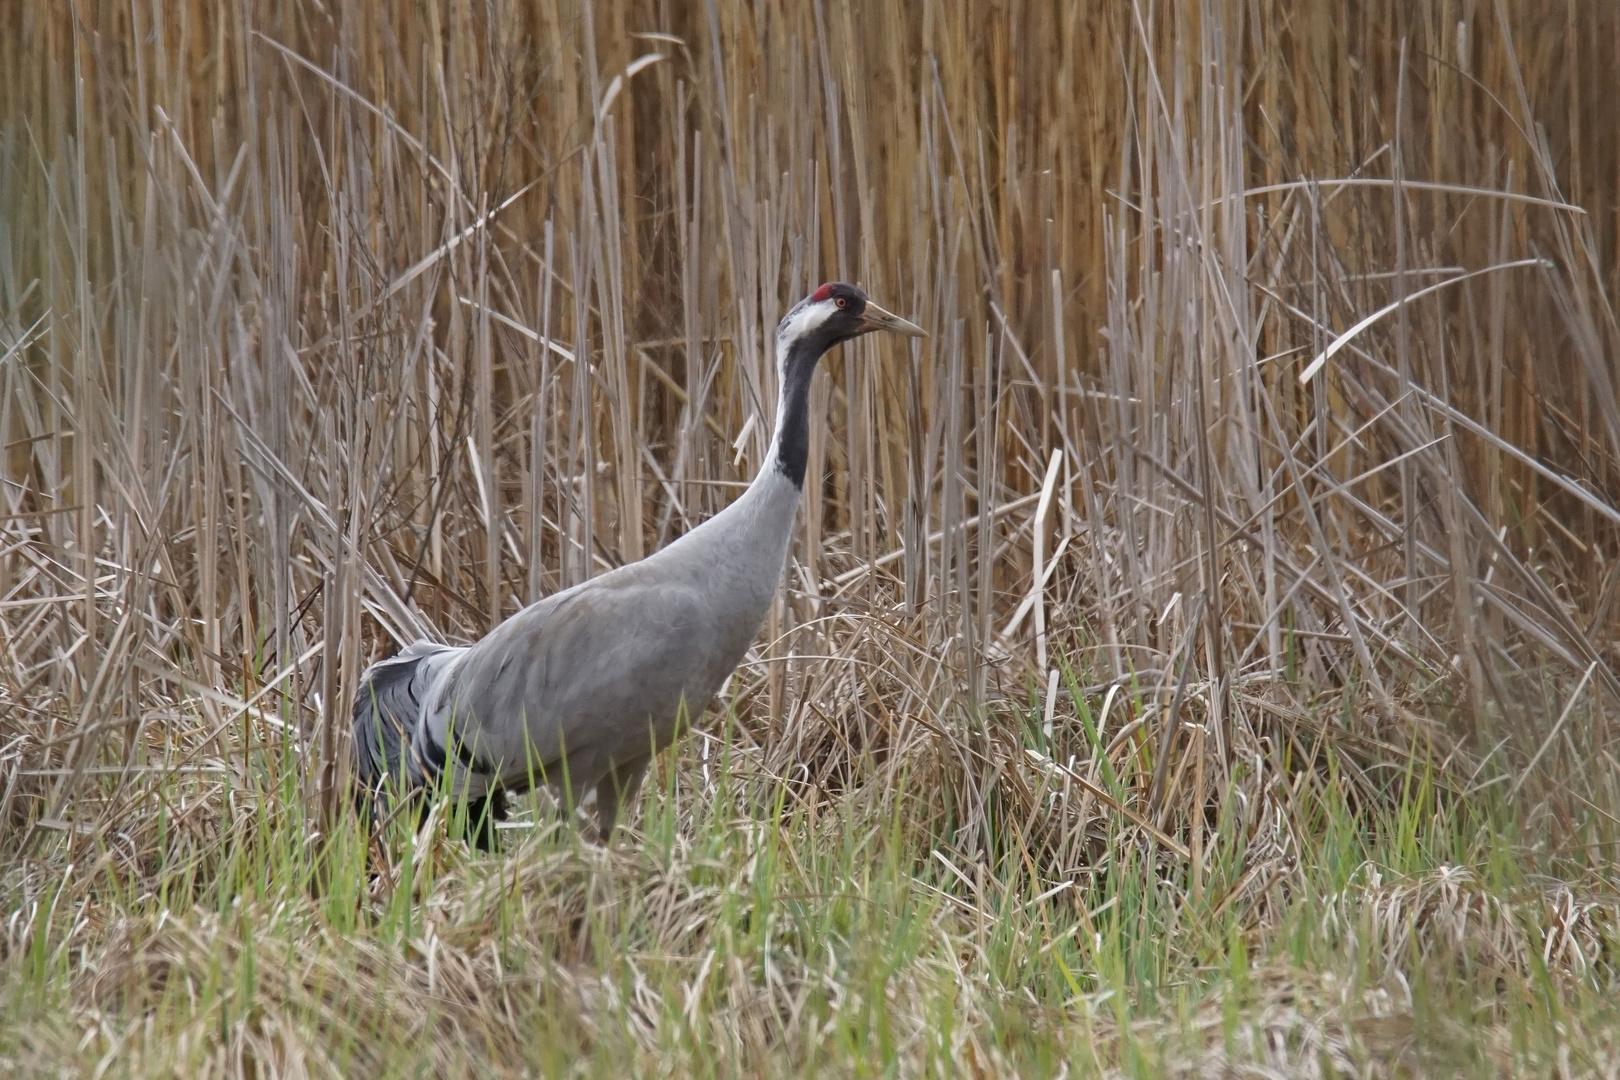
[(327, 326)]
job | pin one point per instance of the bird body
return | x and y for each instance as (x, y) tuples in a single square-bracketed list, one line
[(580, 689)]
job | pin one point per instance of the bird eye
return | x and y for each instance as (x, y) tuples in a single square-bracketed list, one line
[(842, 302)]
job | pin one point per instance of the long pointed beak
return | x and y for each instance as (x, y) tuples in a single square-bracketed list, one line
[(875, 318)]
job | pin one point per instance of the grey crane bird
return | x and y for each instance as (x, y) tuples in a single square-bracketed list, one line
[(579, 690)]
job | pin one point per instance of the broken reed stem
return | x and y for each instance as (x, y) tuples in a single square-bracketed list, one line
[(440, 314)]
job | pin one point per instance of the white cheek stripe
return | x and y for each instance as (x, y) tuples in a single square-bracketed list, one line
[(810, 318)]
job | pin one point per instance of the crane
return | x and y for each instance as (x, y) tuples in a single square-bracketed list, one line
[(580, 689)]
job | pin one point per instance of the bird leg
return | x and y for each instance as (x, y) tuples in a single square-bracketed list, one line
[(615, 791)]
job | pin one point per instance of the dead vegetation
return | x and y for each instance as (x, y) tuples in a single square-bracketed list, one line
[(1195, 660)]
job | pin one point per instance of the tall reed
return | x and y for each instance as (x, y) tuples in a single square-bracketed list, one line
[(1269, 414)]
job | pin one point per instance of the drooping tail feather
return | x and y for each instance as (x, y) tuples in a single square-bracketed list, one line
[(387, 710), (381, 738)]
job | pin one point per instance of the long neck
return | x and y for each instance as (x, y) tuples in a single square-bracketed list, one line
[(753, 531), (790, 445)]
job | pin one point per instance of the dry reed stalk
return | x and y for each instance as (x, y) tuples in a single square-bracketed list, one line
[(325, 327)]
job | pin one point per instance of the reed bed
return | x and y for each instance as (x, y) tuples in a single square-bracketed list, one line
[(1194, 658)]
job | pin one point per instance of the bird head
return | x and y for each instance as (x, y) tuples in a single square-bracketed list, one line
[(834, 313)]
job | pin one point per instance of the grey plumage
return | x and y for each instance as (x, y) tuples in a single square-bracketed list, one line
[(579, 690)]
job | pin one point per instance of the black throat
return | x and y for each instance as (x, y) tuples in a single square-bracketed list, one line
[(793, 414)]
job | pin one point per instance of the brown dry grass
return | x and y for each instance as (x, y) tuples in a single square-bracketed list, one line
[(1109, 642)]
